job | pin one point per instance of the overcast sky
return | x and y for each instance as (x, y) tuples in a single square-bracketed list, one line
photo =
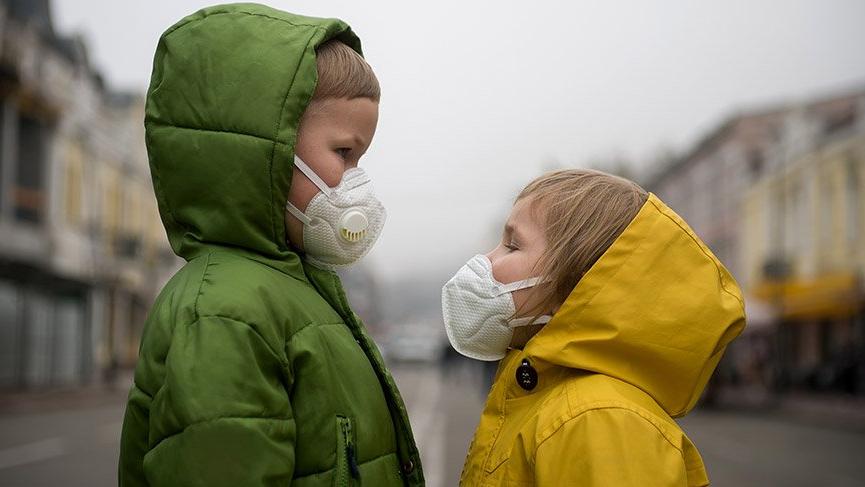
[(480, 96)]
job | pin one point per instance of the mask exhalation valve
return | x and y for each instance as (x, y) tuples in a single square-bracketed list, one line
[(353, 225)]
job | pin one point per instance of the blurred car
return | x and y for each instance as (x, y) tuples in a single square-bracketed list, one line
[(412, 344)]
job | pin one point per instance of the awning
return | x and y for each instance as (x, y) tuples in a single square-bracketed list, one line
[(829, 296)]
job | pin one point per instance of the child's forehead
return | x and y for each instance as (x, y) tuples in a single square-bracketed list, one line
[(527, 208), (524, 217), (344, 119)]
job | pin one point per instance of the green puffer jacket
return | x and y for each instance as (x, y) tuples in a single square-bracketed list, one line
[(253, 369)]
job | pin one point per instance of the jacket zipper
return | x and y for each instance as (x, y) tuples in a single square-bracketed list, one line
[(346, 456), (395, 401), (405, 441)]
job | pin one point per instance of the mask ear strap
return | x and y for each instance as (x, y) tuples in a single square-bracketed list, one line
[(526, 321), (298, 214), (517, 285), (312, 176)]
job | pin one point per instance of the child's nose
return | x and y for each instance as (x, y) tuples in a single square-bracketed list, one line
[(491, 255)]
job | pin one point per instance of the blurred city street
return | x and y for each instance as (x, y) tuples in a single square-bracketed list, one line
[(747, 120), (750, 450), (73, 440), (68, 439)]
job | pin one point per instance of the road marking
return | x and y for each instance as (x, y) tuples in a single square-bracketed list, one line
[(428, 425), (32, 452)]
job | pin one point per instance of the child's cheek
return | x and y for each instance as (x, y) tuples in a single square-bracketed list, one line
[(520, 298)]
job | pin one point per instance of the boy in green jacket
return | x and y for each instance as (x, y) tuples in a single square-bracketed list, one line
[(253, 370)]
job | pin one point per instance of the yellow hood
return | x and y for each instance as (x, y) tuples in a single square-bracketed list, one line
[(656, 310)]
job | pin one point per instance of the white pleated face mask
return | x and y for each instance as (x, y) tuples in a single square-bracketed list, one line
[(477, 310), (341, 224)]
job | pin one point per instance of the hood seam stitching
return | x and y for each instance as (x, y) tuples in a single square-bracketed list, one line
[(201, 285), (706, 254), (233, 12), (623, 407), (218, 131), (276, 135)]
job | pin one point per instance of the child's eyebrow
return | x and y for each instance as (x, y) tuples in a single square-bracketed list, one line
[(359, 140), (511, 231), (354, 139)]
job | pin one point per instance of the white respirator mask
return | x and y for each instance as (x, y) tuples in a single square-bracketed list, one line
[(477, 310), (341, 224)]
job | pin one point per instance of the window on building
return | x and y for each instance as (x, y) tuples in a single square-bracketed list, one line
[(840, 120), (29, 192), (111, 204), (776, 221), (826, 211), (797, 230), (756, 162), (72, 186), (853, 197), (2, 143)]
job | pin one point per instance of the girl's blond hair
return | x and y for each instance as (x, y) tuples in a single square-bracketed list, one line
[(343, 73), (581, 212)]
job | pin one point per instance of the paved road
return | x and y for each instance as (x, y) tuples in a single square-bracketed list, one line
[(745, 450), (444, 407), (67, 448), (740, 450), (77, 445)]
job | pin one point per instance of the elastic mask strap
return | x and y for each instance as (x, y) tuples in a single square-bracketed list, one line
[(309, 173), (516, 286), (298, 214), (526, 321)]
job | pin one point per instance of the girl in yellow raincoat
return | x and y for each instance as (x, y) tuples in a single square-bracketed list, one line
[(608, 315)]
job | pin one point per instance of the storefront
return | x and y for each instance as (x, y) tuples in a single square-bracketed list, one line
[(820, 336), (45, 332)]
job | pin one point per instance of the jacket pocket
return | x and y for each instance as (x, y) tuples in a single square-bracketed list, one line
[(346, 456)]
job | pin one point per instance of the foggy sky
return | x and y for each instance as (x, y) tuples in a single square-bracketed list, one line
[(478, 97)]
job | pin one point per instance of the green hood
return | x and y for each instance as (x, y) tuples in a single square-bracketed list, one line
[(228, 89)]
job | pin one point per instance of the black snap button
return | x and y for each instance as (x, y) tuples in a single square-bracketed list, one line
[(527, 376), (408, 467)]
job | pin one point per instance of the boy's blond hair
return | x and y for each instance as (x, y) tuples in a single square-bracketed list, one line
[(582, 212), (343, 73)]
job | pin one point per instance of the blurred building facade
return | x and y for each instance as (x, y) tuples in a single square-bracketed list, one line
[(82, 249), (778, 195)]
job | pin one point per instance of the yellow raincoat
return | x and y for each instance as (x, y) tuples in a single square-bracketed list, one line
[(631, 348)]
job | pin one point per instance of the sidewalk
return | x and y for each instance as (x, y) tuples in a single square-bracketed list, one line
[(84, 397), (827, 410), (842, 412)]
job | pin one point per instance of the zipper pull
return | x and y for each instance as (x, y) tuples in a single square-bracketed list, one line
[(349, 451), (352, 462)]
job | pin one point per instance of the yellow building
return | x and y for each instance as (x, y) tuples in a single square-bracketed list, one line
[(803, 245)]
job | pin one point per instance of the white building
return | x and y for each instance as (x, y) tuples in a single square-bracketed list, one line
[(82, 250)]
